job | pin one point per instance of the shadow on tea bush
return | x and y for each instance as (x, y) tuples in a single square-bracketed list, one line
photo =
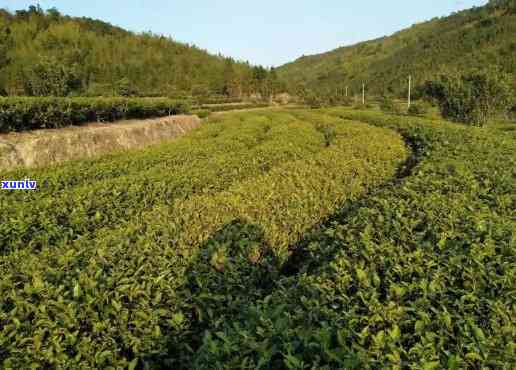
[(234, 269)]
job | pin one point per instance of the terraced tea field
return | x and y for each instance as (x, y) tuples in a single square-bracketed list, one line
[(282, 239)]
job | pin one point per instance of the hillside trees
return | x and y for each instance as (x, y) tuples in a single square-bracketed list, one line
[(465, 40), (232, 81), (49, 77), (473, 97), (46, 53), (5, 41)]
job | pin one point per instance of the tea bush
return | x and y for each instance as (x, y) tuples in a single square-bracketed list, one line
[(418, 109), (252, 244), (19, 114), (418, 274), (76, 194), (230, 107), (101, 253), (218, 100), (202, 113), (388, 105)]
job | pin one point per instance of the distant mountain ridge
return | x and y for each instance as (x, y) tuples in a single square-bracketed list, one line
[(468, 39)]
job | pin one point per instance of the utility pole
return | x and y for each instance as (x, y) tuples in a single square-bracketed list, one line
[(363, 94), (409, 89)]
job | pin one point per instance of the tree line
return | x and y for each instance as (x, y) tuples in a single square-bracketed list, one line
[(45, 53)]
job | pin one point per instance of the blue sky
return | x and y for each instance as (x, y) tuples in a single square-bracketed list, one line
[(267, 32)]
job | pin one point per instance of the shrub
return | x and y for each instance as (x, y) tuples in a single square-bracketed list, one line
[(359, 106), (328, 131), (340, 100), (334, 99), (217, 100), (329, 135), (314, 101), (320, 99), (124, 87), (96, 89), (18, 114), (130, 260), (472, 98), (49, 77), (346, 101), (389, 106), (203, 113), (230, 106), (418, 109), (512, 113)]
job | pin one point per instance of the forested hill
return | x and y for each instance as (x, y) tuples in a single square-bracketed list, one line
[(468, 39), (47, 53)]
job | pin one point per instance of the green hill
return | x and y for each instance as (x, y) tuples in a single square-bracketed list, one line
[(472, 38), (47, 53)]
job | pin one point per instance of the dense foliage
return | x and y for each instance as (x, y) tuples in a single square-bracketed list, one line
[(106, 264), (388, 105), (44, 53), (512, 113), (418, 274), (469, 39), (18, 114), (319, 99), (418, 108), (229, 107), (274, 239), (472, 98), (210, 252)]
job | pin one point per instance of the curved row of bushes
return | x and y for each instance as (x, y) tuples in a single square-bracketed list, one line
[(120, 294), (81, 198), (419, 274), (217, 100), (205, 110), (19, 114)]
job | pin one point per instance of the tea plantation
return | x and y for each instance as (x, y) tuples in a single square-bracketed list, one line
[(280, 239)]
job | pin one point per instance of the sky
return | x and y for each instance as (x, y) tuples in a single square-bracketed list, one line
[(265, 32)]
